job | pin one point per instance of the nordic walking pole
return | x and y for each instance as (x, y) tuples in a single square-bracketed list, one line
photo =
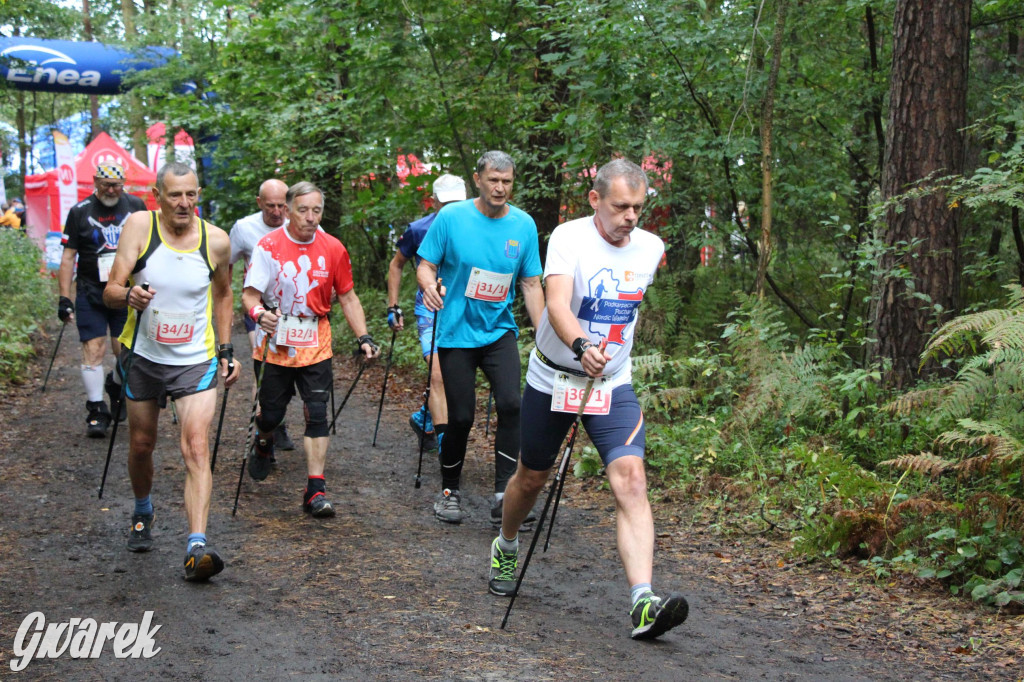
[(362, 368), (562, 466), (53, 357), (252, 415), (562, 472), (220, 422), (430, 375), (384, 388), (487, 424), (124, 388)]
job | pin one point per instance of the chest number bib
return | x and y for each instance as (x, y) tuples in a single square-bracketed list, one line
[(570, 391), (298, 332), (105, 261), (171, 328), (485, 285)]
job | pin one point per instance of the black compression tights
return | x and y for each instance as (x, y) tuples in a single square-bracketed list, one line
[(500, 364)]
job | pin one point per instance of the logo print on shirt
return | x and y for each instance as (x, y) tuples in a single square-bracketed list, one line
[(111, 233), (512, 248), (294, 284), (608, 308)]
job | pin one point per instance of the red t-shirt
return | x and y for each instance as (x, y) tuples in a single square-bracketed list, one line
[(300, 279)]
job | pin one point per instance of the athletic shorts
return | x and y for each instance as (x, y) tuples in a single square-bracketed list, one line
[(94, 321), (616, 434), (148, 380), (425, 327), (279, 383)]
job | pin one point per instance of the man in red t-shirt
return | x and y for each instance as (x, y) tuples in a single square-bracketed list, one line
[(295, 270)]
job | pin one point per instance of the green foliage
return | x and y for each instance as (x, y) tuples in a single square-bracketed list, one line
[(28, 297)]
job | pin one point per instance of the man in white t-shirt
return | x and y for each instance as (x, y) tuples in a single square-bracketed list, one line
[(597, 271), (246, 233)]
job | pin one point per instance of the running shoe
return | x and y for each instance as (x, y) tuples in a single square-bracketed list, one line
[(502, 576), (261, 458), (653, 617), (319, 507), (113, 390), (140, 538), (525, 527), (448, 507), (282, 441), (423, 426), (202, 563), (98, 420)]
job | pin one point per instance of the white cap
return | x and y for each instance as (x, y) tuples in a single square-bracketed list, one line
[(449, 188)]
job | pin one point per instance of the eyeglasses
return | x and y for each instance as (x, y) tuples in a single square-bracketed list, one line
[(110, 185)]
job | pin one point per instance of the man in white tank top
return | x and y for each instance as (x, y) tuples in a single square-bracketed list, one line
[(170, 347)]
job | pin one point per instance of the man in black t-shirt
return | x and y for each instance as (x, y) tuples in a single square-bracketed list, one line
[(91, 231)]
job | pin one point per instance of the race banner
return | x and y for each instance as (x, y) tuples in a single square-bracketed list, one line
[(67, 177)]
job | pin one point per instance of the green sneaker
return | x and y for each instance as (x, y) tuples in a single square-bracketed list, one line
[(653, 617), (502, 576)]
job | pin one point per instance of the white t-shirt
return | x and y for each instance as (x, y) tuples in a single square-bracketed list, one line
[(608, 286), (246, 234)]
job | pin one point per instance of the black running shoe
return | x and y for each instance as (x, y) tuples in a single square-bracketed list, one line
[(502, 576), (653, 617), (98, 420), (202, 563), (282, 441), (113, 390), (525, 527), (319, 507), (261, 458), (140, 538)]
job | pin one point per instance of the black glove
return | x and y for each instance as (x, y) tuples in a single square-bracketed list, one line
[(65, 308), (226, 351), (394, 316), (367, 339)]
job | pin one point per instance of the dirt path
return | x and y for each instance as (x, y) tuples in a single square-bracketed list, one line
[(383, 591)]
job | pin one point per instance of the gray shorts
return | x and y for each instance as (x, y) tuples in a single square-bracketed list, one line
[(148, 380)]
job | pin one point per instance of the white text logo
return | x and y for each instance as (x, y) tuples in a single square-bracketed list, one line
[(81, 638)]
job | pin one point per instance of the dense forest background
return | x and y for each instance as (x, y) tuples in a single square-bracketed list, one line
[(834, 347)]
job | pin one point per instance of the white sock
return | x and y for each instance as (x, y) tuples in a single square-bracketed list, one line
[(93, 377), (638, 591), (508, 546)]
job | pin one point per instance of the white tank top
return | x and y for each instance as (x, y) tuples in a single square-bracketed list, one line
[(176, 328)]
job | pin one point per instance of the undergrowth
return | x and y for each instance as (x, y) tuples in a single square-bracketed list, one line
[(28, 297)]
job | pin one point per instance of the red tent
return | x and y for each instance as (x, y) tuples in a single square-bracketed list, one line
[(42, 193)]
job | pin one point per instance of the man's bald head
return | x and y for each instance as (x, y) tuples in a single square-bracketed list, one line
[(271, 201)]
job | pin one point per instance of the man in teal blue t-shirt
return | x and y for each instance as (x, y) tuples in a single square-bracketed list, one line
[(472, 257)]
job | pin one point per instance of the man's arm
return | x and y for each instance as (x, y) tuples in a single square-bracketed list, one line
[(129, 248), (533, 298), (426, 278), (567, 326), (356, 318), (395, 287), (223, 298)]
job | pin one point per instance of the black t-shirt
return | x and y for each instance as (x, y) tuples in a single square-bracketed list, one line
[(92, 228)]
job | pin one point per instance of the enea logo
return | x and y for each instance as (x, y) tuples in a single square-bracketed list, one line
[(45, 67), (65, 174)]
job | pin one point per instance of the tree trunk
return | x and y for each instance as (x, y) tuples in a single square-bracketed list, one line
[(920, 284), (767, 119)]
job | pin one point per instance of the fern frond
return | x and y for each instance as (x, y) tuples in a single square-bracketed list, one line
[(904, 404), (1006, 333), (923, 463), (962, 331), (923, 506)]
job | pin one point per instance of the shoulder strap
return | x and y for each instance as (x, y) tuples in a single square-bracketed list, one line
[(152, 242), (204, 246)]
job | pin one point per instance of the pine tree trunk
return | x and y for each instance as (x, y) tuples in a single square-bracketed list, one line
[(920, 284)]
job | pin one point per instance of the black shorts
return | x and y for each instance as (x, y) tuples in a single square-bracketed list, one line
[(95, 319), (280, 383)]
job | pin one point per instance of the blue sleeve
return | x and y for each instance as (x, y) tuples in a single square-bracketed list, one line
[(432, 247), (531, 266), (409, 242)]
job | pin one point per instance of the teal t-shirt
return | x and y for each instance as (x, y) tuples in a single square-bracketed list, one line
[(492, 253)]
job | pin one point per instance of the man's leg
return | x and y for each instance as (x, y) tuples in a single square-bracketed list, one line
[(276, 390), (93, 377), (314, 383), (501, 365), (458, 370), (195, 414), (142, 430), (634, 522)]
